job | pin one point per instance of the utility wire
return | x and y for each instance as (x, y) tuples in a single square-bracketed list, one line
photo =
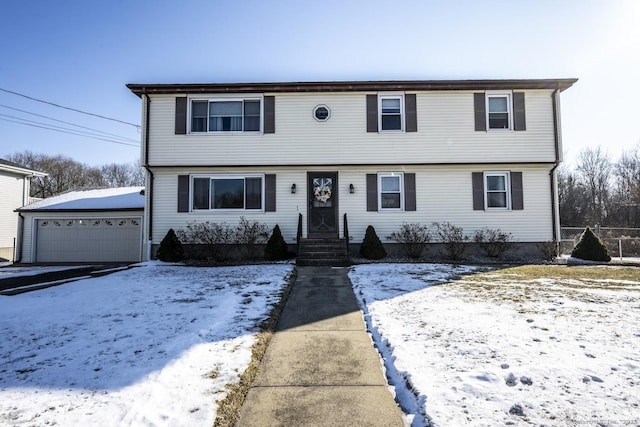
[(54, 127), (66, 123), (71, 132), (69, 108)]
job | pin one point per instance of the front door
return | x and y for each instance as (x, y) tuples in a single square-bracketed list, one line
[(322, 192)]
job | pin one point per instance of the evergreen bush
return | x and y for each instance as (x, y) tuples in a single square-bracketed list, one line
[(170, 249), (590, 247), (371, 247), (276, 249)]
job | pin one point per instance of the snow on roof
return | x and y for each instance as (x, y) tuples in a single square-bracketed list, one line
[(123, 198)]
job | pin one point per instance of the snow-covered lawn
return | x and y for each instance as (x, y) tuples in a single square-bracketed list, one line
[(154, 345), (496, 349)]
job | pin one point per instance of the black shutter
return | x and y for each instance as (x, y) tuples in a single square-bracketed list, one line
[(519, 119), (181, 116), (409, 191), (479, 111), (410, 110), (270, 193), (372, 113), (477, 180), (517, 195), (269, 114), (372, 192), (183, 193)]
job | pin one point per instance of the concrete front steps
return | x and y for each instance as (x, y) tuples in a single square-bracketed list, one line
[(323, 252)]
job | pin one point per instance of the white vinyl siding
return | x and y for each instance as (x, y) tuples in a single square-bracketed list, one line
[(434, 201), (446, 134), (13, 189)]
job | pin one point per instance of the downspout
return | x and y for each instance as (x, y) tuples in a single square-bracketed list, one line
[(151, 176), (556, 140), (17, 257)]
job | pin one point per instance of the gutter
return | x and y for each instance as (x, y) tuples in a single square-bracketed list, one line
[(149, 186), (552, 177)]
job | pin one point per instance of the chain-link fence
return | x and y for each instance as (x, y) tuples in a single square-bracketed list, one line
[(621, 242)]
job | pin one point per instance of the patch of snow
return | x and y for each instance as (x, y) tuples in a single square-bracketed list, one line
[(461, 350), (154, 345), (106, 198)]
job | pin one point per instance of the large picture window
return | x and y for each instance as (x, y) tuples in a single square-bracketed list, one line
[(227, 192), (226, 115)]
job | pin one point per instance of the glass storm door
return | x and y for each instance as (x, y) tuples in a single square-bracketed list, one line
[(322, 193)]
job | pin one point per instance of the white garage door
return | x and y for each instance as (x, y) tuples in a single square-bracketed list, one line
[(88, 240)]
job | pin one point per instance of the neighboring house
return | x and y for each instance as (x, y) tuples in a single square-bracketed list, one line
[(476, 153), (103, 225), (15, 184)]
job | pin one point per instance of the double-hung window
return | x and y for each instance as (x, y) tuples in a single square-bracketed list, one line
[(391, 110), (227, 192), (498, 111), (391, 193), (497, 189), (226, 115)]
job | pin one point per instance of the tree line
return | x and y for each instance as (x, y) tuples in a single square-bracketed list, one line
[(66, 174), (601, 191)]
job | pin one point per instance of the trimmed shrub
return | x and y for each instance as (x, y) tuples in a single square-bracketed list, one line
[(170, 249), (276, 249), (209, 240), (494, 242), (250, 234), (590, 247), (549, 250), (371, 247), (413, 239), (453, 238)]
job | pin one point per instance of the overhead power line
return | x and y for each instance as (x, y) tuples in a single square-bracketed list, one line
[(69, 108), (65, 130), (66, 123)]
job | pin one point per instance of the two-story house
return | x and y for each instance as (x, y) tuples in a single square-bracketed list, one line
[(475, 153)]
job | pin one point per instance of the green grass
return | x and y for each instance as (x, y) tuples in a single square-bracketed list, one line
[(534, 271)]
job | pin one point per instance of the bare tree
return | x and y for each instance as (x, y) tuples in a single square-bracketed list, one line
[(594, 172), (627, 194), (66, 174)]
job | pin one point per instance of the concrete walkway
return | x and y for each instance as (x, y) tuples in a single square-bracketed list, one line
[(320, 368)]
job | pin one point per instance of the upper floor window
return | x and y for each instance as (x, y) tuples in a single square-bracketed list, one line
[(226, 115), (498, 111), (497, 190), (223, 192), (391, 112), (391, 194)]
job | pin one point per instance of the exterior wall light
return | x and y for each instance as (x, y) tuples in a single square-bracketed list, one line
[(352, 189), (293, 189)]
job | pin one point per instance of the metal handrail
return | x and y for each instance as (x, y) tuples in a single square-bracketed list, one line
[(299, 233), (346, 233)]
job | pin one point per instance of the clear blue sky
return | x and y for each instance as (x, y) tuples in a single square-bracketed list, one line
[(80, 54)]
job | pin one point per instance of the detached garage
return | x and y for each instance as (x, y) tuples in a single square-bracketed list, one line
[(84, 226)]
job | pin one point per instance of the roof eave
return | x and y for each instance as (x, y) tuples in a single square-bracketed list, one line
[(350, 86)]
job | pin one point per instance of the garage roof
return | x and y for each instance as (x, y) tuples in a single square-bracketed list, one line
[(106, 199)]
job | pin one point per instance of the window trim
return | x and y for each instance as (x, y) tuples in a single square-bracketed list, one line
[(244, 177), (222, 98), (499, 94), (400, 176), (392, 95), (507, 190)]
